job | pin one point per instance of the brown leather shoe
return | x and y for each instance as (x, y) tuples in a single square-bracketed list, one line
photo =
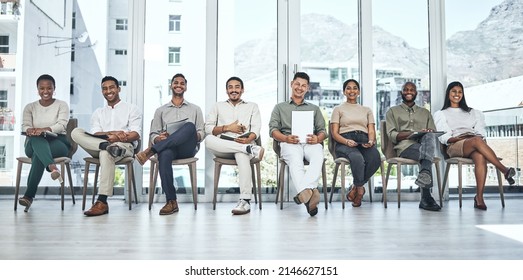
[(170, 207), (99, 208), (144, 156), (352, 193), (359, 197), (303, 197), (312, 205)]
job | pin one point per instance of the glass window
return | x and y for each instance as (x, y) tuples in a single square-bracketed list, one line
[(4, 44), (162, 59), (400, 54), (121, 24), (120, 52), (3, 98), (2, 157), (483, 51), (174, 55), (174, 23), (248, 49)]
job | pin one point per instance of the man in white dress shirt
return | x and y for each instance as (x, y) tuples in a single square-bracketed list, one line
[(241, 122), (115, 129)]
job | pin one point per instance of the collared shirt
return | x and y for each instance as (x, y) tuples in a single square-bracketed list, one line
[(123, 116), (404, 118), (169, 113), (281, 117), (224, 113)]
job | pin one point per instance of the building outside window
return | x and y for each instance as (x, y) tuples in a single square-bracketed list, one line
[(2, 157), (174, 55), (3, 98), (174, 23), (122, 83), (120, 52), (121, 24), (4, 44)]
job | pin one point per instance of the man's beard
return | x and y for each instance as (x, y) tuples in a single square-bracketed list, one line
[(175, 94), (405, 99)]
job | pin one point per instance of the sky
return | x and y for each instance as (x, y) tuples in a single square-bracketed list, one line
[(403, 18)]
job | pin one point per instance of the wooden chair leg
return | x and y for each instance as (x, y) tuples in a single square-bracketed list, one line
[(95, 186), (445, 179), (258, 178), (334, 177), (194, 185), (281, 184), (324, 176), (460, 185), (70, 177), (342, 189), (438, 177), (500, 187), (217, 170), (385, 186), (398, 184), (253, 180), (86, 180), (17, 186), (130, 187), (62, 184)]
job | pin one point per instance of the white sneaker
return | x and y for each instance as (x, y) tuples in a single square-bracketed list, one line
[(243, 207), (257, 152)]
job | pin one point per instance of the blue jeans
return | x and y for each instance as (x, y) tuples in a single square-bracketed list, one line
[(364, 162), (181, 144)]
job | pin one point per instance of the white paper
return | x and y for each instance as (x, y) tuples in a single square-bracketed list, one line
[(302, 124)]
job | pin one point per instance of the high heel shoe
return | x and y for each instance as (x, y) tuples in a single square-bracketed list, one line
[(25, 201), (55, 175), (479, 206), (511, 172)]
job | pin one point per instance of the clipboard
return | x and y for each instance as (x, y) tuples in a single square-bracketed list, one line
[(302, 124)]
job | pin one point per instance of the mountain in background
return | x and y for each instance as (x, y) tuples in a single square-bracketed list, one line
[(491, 52)]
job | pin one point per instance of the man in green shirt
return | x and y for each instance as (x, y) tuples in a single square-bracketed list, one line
[(295, 149), (402, 121)]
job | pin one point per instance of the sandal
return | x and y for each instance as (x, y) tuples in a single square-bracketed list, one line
[(25, 201)]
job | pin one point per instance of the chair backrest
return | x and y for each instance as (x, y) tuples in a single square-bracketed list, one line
[(443, 150), (331, 143), (138, 146), (71, 124), (276, 147), (387, 147)]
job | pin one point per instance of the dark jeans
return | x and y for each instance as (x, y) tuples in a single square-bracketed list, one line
[(422, 152), (42, 150), (181, 144), (364, 162)]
